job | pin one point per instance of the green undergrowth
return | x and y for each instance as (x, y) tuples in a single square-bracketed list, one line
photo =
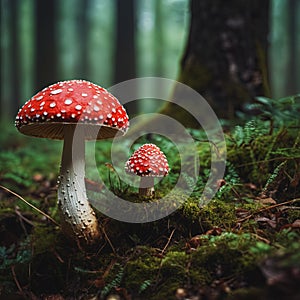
[(243, 244)]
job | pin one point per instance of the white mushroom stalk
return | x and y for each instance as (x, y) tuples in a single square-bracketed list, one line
[(146, 188), (73, 111), (79, 216)]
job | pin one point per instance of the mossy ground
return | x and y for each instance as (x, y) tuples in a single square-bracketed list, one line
[(243, 244)]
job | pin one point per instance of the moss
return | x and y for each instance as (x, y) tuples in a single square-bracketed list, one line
[(217, 257), (135, 262), (256, 159), (228, 254), (142, 267), (195, 75), (286, 238), (44, 239), (292, 214), (216, 213)]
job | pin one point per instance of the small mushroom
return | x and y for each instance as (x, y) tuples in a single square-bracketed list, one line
[(73, 111), (148, 162)]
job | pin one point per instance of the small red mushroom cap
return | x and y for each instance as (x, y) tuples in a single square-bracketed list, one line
[(72, 102), (148, 160)]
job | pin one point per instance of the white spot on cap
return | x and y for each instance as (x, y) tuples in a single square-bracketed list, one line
[(42, 103), (95, 97), (39, 98), (53, 104), (68, 101), (78, 107), (32, 109), (113, 110), (73, 116), (45, 113), (58, 115), (84, 94), (70, 90), (55, 92), (96, 108), (109, 116)]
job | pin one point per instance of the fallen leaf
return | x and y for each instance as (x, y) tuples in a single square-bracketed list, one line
[(266, 201), (270, 222), (295, 224)]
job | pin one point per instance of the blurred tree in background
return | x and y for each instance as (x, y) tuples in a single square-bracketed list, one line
[(284, 47), (103, 41), (225, 57), (231, 50)]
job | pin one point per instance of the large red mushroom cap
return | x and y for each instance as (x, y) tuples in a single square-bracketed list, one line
[(72, 102), (148, 160)]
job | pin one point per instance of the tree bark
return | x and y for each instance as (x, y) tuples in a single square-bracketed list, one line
[(16, 55), (225, 56), (125, 54), (46, 44), (125, 64)]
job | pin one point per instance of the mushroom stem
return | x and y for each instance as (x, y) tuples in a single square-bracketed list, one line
[(146, 186), (78, 215)]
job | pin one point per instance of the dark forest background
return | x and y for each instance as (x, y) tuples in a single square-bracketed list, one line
[(244, 244), (229, 51)]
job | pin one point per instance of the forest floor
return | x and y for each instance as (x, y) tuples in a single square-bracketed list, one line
[(244, 244)]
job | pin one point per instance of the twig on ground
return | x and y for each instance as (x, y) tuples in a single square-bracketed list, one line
[(29, 204), (268, 208), (168, 242), (108, 240), (16, 280)]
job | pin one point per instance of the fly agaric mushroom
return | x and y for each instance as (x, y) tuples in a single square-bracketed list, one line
[(148, 162), (55, 113)]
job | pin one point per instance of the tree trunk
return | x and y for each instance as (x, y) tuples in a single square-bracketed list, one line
[(46, 44), (284, 47), (6, 105), (16, 55), (125, 65), (225, 56)]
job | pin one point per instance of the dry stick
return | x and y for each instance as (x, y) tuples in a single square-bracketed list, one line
[(162, 252), (23, 218), (168, 242), (268, 160), (268, 208), (29, 204), (16, 280), (108, 240)]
